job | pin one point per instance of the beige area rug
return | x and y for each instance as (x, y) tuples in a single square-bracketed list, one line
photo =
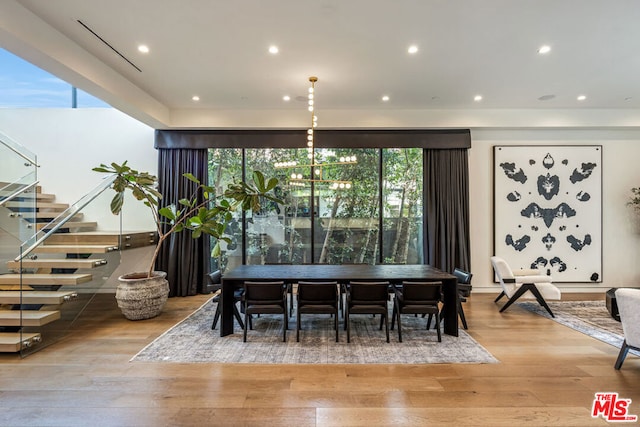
[(589, 317), (193, 341)]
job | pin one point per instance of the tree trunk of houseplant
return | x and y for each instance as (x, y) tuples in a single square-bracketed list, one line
[(140, 297)]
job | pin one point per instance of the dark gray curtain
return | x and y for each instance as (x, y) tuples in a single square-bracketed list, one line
[(447, 209), (185, 259)]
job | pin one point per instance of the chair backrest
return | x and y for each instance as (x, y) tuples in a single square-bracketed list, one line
[(464, 277), (264, 292), (318, 292), (421, 292), (368, 292), (628, 301), (503, 271)]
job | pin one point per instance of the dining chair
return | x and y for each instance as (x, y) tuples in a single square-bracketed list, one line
[(265, 298), (367, 298), (215, 279), (628, 301), (317, 298), (417, 298), (464, 291), (515, 283), (290, 286)]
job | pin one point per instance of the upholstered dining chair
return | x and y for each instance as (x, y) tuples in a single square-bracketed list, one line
[(367, 298), (464, 292), (317, 298), (417, 298), (215, 279), (516, 282), (290, 286), (265, 298), (628, 301)]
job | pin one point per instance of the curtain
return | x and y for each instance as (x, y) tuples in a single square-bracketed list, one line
[(447, 209), (185, 260)]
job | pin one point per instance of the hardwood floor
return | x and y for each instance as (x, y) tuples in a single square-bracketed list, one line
[(547, 377)]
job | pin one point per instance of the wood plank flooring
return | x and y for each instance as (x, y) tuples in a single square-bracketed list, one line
[(547, 377)]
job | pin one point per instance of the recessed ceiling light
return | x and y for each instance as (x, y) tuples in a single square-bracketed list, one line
[(385, 98), (286, 98), (273, 49), (582, 97), (544, 49), (143, 48), (195, 98), (412, 49), (477, 98)]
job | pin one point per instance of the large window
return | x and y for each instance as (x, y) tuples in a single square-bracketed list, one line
[(402, 206), (351, 206)]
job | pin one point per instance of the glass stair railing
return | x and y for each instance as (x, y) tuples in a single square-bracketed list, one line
[(58, 272), (18, 190)]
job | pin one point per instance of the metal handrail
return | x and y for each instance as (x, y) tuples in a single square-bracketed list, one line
[(14, 147), (18, 192), (67, 214)]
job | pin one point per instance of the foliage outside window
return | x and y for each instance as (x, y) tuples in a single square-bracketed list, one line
[(346, 223)]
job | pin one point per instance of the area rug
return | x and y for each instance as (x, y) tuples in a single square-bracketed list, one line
[(589, 317), (193, 341)]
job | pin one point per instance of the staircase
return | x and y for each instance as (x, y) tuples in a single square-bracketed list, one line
[(42, 294)]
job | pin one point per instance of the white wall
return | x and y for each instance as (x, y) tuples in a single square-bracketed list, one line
[(620, 225), (70, 142)]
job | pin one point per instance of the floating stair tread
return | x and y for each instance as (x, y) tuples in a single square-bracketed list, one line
[(45, 279), (38, 196), (52, 215), (56, 263), (11, 342), (43, 205), (130, 239), (28, 317), (76, 249), (70, 224), (35, 297)]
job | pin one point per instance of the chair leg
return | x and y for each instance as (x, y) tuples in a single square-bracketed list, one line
[(393, 314), (236, 313), (534, 290), (290, 292), (519, 292), (386, 323), (216, 316), (438, 327), (285, 325), (397, 313), (382, 320), (429, 321), (247, 323), (298, 326), (624, 349), (461, 314), (500, 296), (336, 325), (347, 325)]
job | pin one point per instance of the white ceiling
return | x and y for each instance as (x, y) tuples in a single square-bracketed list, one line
[(218, 49)]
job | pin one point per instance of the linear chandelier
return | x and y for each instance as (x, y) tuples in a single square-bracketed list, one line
[(297, 179)]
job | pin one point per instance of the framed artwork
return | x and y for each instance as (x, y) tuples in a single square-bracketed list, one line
[(548, 209)]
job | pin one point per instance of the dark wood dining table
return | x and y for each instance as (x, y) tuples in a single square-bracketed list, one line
[(342, 274)]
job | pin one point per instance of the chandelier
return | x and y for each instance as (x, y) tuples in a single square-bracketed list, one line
[(298, 179)]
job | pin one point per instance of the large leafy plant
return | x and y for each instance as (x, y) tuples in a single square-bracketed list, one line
[(203, 212)]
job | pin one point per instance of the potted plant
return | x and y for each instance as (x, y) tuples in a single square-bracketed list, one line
[(141, 295)]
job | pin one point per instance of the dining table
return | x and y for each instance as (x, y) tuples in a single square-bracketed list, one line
[(393, 273)]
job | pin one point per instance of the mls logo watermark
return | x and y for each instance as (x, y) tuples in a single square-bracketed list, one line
[(612, 408)]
